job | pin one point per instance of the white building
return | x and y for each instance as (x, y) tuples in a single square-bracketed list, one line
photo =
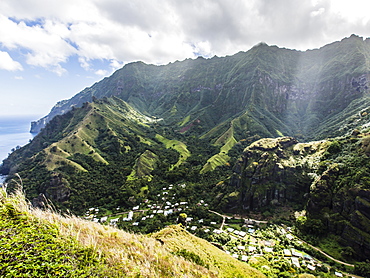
[(295, 262)]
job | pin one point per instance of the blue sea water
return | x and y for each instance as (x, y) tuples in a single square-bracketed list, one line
[(14, 131)]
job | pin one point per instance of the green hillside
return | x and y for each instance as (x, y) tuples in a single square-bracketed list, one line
[(301, 94), (37, 243), (267, 133)]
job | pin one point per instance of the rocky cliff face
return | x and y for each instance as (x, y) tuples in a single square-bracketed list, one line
[(276, 171), (329, 179), (342, 210)]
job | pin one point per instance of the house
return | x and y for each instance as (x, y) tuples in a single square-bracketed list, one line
[(114, 221), (287, 253), (269, 249), (289, 236), (130, 215), (236, 232), (252, 248), (244, 258), (167, 212), (193, 228), (103, 219), (213, 223), (230, 230), (311, 267), (268, 243), (240, 247), (295, 262), (242, 234), (297, 254), (206, 230), (135, 208), (216, 231), (135, 224), (338, 274), (236, 256)]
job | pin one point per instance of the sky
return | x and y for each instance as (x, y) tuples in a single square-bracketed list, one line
[(50, 49)]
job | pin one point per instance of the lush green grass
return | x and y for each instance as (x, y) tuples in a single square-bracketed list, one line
[(226, 141), (178, 146), (144, 165)]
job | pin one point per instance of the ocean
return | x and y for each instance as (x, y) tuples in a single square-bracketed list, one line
[(14, 131)]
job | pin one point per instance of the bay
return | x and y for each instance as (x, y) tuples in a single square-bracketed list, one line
[(14, 132)]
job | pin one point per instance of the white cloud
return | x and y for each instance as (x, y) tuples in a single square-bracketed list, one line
[(101, 72), (7, 63), (115, 65), (50, 32)]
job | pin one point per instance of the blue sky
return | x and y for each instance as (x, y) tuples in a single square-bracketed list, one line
[(50, 49)]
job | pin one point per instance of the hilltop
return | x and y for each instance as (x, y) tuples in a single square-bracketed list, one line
[(47, 244)]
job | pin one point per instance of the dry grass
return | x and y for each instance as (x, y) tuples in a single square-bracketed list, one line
[(176, 239), (132, 255)]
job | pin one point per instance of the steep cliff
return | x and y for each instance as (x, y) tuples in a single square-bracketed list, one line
[(329, 179), (273, 172)]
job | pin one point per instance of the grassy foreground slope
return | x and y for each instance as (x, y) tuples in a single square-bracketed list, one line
[(36, 243), (179, 241)]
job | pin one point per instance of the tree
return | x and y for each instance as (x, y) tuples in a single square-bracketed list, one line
[(182, 219), (363, 268)]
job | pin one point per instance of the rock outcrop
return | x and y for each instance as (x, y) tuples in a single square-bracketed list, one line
[(328, 179), (276, 171)]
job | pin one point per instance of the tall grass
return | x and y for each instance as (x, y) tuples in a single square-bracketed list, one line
[(116, 253)]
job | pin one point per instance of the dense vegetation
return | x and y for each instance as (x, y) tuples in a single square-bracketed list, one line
[(200, 122)]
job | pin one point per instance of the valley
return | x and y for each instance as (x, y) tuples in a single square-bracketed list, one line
[(270, 134), (271, 248)]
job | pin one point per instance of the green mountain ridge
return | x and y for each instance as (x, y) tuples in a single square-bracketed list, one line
[(278, 89), (229, 128)]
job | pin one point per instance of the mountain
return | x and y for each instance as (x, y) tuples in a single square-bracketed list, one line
[(267, 91), (228, 128)]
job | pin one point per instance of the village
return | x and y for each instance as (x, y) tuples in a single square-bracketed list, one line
[(261, 244)]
